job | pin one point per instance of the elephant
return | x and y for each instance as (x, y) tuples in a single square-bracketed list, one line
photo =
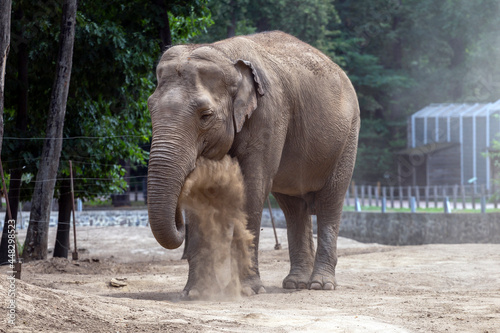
[(289, 116)]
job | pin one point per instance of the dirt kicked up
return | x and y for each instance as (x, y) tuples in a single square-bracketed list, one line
[(431, 288)]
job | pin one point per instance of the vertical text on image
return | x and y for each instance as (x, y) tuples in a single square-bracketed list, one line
[(11, 289)]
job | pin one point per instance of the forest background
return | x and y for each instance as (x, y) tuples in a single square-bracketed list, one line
[(401, 55)]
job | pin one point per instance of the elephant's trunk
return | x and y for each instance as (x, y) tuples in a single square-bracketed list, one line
[(169, 165)]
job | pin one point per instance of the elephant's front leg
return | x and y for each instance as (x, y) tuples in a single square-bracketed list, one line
[(209, 255), (193, 249), (257, 189)]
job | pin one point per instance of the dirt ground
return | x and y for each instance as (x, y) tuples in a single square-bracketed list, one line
[(431, 288)]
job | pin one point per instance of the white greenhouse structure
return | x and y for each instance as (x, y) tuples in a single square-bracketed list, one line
[(448, 145)]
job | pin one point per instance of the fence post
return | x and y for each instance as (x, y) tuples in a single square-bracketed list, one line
[(384, 194), (426, 196), (377, 194), (417, 196), (445, 193), (357, 206), (75, 252), (412, 204), (409, 196), (446, 205), (494, 190), (370, 190), (362, 195), (435, 196), (355, 194), (462, 192), (401, 197), (391, 193), (384, 204), (483, 204), (455, 192), (473, 198), (483, 194)]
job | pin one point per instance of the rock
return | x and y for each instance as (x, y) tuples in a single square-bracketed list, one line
[(118, 282)]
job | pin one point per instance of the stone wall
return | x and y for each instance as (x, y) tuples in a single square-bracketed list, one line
[(389, 228), (421, 228)]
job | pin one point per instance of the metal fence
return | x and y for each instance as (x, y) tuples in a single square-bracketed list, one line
[(449, 197)]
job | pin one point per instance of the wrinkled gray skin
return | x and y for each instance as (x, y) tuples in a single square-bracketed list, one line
[(291, 118)]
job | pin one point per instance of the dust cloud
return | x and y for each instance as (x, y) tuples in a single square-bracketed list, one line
[(215, 193)]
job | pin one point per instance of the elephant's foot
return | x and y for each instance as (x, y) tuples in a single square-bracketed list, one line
[(296, 281), (210, 293), (252, 285), (323, 282)]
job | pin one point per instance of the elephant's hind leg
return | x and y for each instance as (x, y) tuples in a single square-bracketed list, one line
[(329, 203), (300, 241)]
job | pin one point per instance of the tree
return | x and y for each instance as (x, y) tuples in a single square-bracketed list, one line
[(35, 246), (5, 13), (116, 46), (5, 9), (16, 172)]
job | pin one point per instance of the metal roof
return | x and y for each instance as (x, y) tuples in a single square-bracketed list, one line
[(447, 110)]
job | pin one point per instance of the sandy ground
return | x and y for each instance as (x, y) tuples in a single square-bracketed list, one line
[(431, 288)]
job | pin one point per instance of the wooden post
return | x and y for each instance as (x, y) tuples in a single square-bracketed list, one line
[(277, 246), (75, 252), (16, 266)]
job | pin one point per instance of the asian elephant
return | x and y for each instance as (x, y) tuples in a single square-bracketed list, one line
[(286, 112)]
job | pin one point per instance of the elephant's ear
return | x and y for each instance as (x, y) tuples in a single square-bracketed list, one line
[(245, 100)]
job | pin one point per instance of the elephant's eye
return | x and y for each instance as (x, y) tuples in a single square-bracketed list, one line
[(206, 115)]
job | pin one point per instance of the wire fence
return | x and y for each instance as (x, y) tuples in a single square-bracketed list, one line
[(445, 197)]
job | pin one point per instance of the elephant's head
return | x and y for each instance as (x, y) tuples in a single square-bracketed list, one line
[(201, 102)]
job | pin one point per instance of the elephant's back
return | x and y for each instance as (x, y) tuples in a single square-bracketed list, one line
[(293, 53)]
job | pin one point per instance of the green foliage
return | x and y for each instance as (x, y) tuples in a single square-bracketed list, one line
[(116, 47), (185, 28), (400, 56)]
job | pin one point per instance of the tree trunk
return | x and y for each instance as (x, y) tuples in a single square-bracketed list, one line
[(35, 246), (5, 9), (231, 28), (14, 193), (21, 126), (165, 34), (62, 246)]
